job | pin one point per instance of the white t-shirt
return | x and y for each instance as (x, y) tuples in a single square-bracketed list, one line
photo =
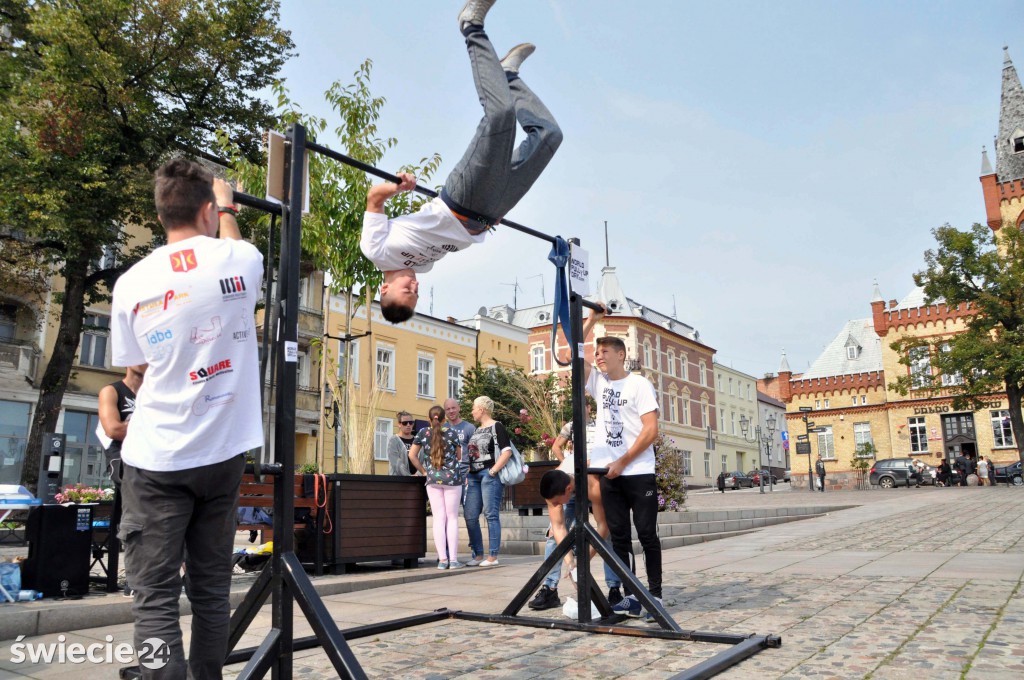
[(620, 403), (187, 311), (414, 241)]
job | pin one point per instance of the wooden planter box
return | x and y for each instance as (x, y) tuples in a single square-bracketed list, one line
[(371, 518), (525, 495)]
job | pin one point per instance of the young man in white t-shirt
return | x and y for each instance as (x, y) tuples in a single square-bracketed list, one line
[(627, 425), (186, 311), (491, 178)]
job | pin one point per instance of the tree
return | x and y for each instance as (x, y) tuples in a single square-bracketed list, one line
[(862, 457), (94, 95), (983, 271)]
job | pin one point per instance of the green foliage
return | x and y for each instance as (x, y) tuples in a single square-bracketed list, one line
[(308, 469), (863, 456), (983, 270), (337, 200), (545, 399), (669, 475)]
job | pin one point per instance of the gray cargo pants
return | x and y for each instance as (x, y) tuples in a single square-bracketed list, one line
[(169, 518)]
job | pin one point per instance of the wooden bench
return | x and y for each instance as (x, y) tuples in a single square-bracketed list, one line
[(526, 496), (253, 494)]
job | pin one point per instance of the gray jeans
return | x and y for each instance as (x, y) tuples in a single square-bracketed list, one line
[(494, 174), (169, 518)]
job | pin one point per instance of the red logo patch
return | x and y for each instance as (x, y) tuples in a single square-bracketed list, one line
[(183, 260)]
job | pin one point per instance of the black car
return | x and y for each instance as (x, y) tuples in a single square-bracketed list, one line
[(1009, 474), (891, 472)]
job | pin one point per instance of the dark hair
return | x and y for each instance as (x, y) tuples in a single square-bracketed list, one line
[(396, 312), (436, 417), (553, 483), (613, 342), (181, 188), (402, 413)]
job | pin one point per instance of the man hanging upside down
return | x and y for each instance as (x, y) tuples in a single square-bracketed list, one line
[(487, 183)]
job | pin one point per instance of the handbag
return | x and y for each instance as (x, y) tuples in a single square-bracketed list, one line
[(515, 469)]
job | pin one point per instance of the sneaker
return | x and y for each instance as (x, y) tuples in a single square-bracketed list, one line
[(475, 562), (129, 592), (547, 598), (516, 56), (648, 616), (614, 595), (628, 606), (456, 565), (473, 13), (489, 563), (442, 565)]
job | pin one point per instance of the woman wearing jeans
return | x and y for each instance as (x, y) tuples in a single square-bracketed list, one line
[(436, 453), (489, 450)]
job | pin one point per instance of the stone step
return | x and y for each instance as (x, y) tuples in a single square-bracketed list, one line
[(525, 535)]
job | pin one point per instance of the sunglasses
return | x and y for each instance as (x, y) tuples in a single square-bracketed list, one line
[(406, 422)]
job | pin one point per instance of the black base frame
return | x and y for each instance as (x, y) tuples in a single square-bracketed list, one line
[(284, 580)]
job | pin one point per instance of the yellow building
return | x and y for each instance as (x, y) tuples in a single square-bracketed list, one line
[(405, 367)]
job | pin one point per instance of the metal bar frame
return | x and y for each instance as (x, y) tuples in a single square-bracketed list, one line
[(285, 581)]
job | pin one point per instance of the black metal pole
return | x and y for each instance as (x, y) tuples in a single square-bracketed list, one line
[(579, 447)]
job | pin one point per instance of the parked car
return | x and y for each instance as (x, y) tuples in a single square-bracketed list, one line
[(1009, 474), (785, 476), (892, 472), (755, 477), (737, 480)]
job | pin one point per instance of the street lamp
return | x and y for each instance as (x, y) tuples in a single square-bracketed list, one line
[(768, 433)]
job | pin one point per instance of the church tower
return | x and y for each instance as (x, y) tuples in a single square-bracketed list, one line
[(1003, 188)]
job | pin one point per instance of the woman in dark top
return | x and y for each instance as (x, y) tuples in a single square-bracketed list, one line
[(489, 450), (436, 453)]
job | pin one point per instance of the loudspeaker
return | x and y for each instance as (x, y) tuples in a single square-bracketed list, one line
[(59, 552)]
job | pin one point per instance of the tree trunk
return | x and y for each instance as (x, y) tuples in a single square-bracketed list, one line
[(55, 378), (1013, 396)]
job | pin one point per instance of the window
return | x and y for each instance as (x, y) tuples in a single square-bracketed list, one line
[(386, 367), (704, 420), (861, 436), (707, 464), (918, 434), (732, 420), (826, 403), (8, 321), (671, 363), (353, 360), (750, 392), (686, 410), (703, 373), (381, 434), (826, 444), (14, 423), (425, 376), (1018, 144), (648, 361), (454, 379), (673, 408), (93, 348), (302, 371), (950, 379), (537, 358), (682, 367), (920, 367), (730, 387), (817, 403), (725, 462), (84, 460), (855, 400), (1002, 432), (721, 420), (863, 399), (687, 464)]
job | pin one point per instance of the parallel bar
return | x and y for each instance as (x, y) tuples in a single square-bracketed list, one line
[(250, 606), (338, 651), (584, 575), (387, 176), (723, 660)]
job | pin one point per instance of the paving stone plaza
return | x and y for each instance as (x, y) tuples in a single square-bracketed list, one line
[(905, 583)]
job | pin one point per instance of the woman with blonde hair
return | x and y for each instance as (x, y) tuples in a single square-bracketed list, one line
[(436, 453), (489, 451)]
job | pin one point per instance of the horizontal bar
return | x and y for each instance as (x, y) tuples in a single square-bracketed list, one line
[(387, 176), (255, 202)]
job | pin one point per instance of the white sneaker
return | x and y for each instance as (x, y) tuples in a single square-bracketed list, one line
[(489, 563), (473, 13), (516, 56)]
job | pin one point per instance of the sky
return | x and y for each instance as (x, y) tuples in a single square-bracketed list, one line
[(760, 165)]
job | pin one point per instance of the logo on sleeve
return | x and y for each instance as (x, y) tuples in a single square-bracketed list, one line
[(183, 261), (207, 373), (232, 288)]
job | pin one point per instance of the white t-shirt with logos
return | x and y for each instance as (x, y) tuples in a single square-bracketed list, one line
[(620, 403), (187, 311), (415, 241)]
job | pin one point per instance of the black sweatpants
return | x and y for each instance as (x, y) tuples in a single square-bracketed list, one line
[(638, 493)]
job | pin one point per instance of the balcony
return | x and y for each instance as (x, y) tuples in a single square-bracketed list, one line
[(19, 358)]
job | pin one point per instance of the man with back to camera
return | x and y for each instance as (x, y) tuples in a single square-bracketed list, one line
[(627, 425), (486, 184), (186, 310)]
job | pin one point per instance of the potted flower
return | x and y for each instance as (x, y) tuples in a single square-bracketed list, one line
[(83, 494)]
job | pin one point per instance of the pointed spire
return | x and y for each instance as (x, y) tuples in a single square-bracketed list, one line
[(784, 364), (1006, 56), (1009, 160), (876, 295), (986, 167)]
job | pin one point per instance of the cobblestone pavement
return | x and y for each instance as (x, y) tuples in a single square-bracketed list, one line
[(922, 583)]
